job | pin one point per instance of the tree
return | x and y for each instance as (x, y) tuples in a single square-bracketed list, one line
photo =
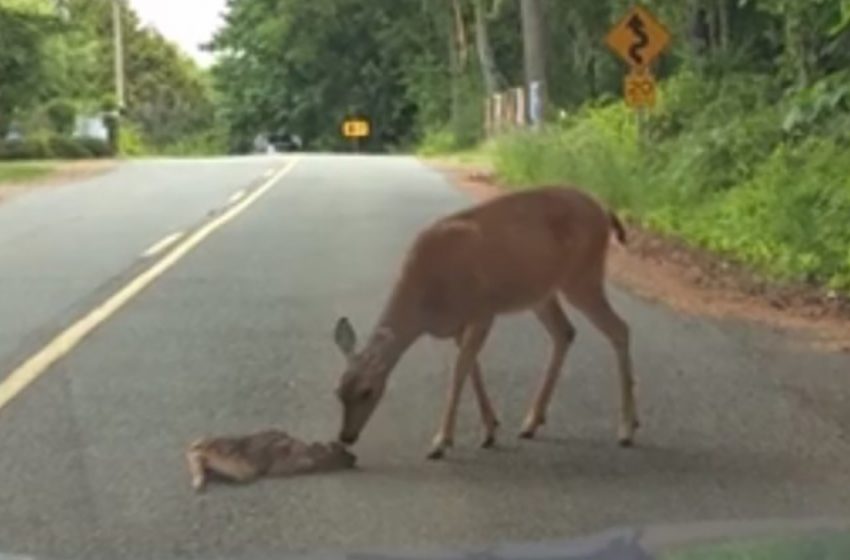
[(493, 79), (23, 36), (534, 49), (302, 66), (56, 54)]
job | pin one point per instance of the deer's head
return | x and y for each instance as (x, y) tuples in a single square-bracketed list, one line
[(362, 384)]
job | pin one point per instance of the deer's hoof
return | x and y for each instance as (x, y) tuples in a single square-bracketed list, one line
[(489, 442), (527, 433), (625, 442), (198, 485), (436, 454)]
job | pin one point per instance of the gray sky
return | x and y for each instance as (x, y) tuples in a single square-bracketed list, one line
[(185, 22)]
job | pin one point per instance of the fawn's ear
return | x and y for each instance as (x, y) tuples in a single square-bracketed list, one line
[(345, 337)]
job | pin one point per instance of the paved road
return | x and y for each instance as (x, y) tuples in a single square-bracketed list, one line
[(237, 336), (63, 249)]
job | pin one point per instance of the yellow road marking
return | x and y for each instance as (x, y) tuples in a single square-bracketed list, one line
[(162, 245), (37, 364), (236, 197)]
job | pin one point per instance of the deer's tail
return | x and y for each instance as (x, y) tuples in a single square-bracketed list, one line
[(619, 230)]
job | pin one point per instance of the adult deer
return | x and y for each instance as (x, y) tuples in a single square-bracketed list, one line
[(513, 253)]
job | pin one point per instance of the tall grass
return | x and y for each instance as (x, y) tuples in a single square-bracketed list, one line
[(22, 171)]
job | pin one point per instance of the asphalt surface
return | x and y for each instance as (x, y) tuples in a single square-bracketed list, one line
[(64, 249), (737, 422)]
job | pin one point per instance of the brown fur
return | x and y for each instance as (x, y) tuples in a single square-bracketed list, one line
[(513, 253), (269, 453)]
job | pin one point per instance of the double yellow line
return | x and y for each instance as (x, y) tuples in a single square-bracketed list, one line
[(64, 342)]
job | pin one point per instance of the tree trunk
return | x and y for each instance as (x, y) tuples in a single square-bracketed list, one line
[(590, 76), (534, 55), (460, 34), (455, 64), (723, 31), (489, 71)]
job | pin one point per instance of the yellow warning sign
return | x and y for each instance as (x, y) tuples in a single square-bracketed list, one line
[(356, 128), (638, 38)]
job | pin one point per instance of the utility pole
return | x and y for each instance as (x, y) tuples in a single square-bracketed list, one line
[(119, 53), (534, 59)]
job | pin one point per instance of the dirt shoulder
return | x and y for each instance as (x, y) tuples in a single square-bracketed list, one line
[(693, 281), (61, 173)]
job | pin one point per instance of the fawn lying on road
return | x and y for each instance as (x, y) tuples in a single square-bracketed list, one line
[(268, 453)]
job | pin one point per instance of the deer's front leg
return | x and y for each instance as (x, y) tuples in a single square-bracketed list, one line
[(485, 407), (471, 342)]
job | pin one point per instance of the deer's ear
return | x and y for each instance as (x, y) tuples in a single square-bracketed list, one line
[(345, 337)]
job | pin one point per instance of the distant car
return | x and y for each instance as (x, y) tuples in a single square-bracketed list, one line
[(286, 142)]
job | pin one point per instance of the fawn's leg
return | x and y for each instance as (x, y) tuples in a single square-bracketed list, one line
[(235, 469), (195, 462)]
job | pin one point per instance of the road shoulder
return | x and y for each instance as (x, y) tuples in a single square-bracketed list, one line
[(29, 175)]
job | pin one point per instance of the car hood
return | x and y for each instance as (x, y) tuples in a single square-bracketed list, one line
[(783, 539)]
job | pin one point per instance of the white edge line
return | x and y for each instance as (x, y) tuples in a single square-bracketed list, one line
[(162, 245), (22, 376), (268, 173)]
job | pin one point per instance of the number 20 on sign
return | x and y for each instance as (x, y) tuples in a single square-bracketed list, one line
[(639, 90)]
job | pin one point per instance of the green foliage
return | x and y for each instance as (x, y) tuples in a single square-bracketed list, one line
[(131, 141), (206, 143), (821, 108), (30, 148), (438, 141), (22, 40), (718, 170), (53, 147), (62, 147), (96, 147), (62, 114), (22, 171), (50, 65), (302, 67)]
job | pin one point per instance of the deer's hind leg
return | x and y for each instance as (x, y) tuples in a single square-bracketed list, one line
[(593, 302)]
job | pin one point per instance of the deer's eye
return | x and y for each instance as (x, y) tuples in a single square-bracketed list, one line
[(365, 394)]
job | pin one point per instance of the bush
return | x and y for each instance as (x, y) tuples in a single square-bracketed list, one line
[(97, 147), (130, 141), (438, 141), (208, 143), (62, 115), (30, 148), (49, 147), (62, 147)]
